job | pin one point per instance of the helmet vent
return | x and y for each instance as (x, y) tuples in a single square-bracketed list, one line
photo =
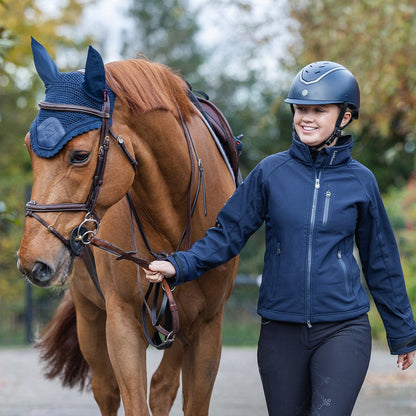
[(311, 78)]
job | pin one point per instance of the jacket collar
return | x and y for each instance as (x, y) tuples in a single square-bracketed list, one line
[(328, 156)]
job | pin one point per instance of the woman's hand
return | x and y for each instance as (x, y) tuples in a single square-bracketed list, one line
[(404, 361), (158, 270)]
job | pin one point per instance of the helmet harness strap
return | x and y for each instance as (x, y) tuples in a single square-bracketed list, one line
[(338, 128)]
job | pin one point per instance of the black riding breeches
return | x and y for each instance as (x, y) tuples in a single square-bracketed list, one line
[(315, 371)]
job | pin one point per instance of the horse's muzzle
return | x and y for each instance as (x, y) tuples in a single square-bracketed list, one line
[(40, 275)]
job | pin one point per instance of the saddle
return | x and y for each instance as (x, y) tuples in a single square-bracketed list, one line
[(232, 145)]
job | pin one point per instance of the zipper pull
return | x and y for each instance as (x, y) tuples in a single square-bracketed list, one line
[(317, 184), (308, 323)]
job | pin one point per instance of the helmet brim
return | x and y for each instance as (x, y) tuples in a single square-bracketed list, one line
[(295, 101), (310, 102)]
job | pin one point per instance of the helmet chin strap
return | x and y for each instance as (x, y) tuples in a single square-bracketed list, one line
[(337, 131)]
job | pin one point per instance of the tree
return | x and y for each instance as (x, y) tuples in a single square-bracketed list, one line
[(19, 84), (165, 32), (20, 89), (376, 40)]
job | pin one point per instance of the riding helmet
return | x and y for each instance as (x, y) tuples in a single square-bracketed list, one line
[(325, 82)]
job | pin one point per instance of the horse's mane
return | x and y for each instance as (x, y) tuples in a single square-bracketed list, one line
[(144, 86)]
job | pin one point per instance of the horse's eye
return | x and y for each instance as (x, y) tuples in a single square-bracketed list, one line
[(79, 157)]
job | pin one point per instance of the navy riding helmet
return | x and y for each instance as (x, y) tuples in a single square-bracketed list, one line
[(326, 82)]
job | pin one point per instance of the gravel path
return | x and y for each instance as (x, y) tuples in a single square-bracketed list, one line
[(237, 392)]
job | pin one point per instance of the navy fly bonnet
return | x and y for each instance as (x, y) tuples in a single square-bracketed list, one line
[(51, 130)]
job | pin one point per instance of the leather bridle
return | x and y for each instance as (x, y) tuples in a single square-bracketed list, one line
[(82, 236)]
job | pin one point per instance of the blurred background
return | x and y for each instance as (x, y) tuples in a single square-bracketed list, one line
[(243, 54)]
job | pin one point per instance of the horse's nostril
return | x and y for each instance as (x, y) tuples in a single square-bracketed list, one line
[(41, 274)]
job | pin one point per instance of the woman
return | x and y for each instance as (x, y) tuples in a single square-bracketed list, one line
[(315, 340)]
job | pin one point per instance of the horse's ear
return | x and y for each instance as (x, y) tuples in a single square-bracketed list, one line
[(45, 66), (94, 82)]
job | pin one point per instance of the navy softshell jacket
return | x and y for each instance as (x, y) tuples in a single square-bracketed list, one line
[(314, 211)]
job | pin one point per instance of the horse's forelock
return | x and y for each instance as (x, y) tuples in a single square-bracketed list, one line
[(144, 86)]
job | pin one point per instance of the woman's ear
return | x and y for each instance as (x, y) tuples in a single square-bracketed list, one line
[(346, 119)]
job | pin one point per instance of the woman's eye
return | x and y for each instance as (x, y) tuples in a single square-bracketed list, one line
[(79, 157)]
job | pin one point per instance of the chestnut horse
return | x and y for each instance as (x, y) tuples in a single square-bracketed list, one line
[(165, 158)]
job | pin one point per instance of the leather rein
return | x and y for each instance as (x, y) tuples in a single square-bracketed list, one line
[(82, 237)]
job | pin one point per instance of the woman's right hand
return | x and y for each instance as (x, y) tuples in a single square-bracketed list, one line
[(404, 361), (158, 270)]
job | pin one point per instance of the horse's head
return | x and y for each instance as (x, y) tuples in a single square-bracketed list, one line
[(73, 161)]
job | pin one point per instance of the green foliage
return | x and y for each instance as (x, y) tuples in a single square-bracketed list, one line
[(241, 323), (401, 205), (7, 40), (20, 89), (401, 208), (7, 218), (376, 40), (389, 158)]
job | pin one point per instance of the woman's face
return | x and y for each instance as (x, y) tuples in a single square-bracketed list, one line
[(315, 123)]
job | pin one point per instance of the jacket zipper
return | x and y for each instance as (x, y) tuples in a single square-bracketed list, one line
[(326, 207), (344, 269), (277, 253), (310, 243)]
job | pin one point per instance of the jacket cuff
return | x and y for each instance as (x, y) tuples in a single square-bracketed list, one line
[(402, 346), (177, 264)]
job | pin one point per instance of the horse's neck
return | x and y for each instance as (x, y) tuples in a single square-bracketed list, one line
[(161, 187)]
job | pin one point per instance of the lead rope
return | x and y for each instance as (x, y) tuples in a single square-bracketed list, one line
[(167, 299)]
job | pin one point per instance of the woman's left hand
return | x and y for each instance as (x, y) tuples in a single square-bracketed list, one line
[(404, 361)]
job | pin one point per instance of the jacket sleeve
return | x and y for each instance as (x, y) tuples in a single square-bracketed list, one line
[(240, 217), (382, 269)]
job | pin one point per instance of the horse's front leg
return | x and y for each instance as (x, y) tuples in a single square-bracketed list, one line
[(91, 322), (127, 350), (165, 380), (201, 366)]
